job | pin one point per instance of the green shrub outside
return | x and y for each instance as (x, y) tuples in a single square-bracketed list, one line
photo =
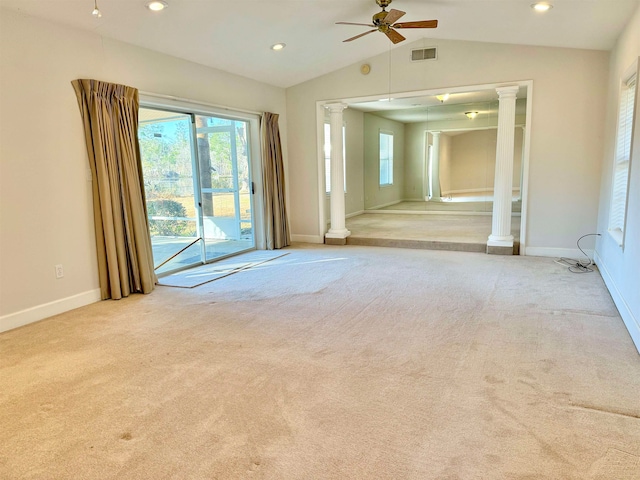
[(169, 228)]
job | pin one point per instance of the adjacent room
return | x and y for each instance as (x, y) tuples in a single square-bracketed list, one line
[(319, 240)]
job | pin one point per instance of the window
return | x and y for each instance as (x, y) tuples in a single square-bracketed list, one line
[(622, 160), (386, 158), (327, 157)]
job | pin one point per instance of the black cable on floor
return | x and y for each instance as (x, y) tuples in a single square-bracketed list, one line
[(577, 266)]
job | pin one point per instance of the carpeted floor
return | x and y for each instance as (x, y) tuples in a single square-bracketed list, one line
[(332, 363)]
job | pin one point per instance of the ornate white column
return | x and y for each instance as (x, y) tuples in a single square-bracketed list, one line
[(501, 241), (434, 173), (337, 234)]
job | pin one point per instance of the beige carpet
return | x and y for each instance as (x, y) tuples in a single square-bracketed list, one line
[(332, 363), (196, 276)]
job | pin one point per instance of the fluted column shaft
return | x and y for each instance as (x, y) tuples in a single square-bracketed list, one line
[(503, 183), (434, 178), (338, 229)]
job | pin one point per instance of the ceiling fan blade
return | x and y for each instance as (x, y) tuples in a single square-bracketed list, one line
[(394, 36), (361, 24), (393, 15), (420, 24), (361, 35)]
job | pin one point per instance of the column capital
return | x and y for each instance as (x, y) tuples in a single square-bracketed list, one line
[(507, 91), (336, 107), (435, 133)]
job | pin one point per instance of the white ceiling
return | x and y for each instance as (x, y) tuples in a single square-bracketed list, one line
[(235, 35)]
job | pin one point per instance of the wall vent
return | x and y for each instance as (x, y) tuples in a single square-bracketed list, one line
[(430, 53)]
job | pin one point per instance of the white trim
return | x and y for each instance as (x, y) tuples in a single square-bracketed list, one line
[(322, 192), (354, 214), (180, 101), (475, 190), (307, 238), (524, 183), (46, 310), (558, 252), (427, 212), (388, 204), (632, 323)]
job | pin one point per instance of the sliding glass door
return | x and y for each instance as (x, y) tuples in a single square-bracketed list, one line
[(225, 183), (198, 186)]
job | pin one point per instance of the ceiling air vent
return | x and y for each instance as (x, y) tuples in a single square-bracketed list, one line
[(420, 54)]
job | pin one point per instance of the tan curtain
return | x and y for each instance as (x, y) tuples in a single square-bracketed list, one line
[(276, 225), (110, 116)]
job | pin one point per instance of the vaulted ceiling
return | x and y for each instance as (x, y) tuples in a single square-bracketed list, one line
[(236, 35)]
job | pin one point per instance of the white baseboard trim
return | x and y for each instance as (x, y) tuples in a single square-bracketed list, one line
[(40, 312), (354, 214), (474, 190), (384, 205), (573, 253), (307, 238), (632, 323)]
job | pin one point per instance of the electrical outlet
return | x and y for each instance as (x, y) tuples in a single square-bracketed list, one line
[(59, 271)]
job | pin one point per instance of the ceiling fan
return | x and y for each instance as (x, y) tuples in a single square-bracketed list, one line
[(385, 22)]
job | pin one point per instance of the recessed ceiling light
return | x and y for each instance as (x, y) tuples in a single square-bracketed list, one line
[(542, 6), (157, 5), (278, 46)]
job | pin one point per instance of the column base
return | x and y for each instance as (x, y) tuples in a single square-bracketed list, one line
[(500, 245), (336, 237)]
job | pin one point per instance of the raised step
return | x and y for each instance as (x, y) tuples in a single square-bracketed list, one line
[(423, 244)]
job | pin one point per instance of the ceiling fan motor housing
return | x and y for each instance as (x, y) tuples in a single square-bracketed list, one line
[(378, 18)]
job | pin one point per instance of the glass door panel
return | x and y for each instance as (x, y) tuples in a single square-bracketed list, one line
[(166, 148), (225, 184)]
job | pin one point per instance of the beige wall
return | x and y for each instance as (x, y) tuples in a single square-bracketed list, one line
[(45, 190), (414, 162), (473, 160), (620, 267), (568, 107)]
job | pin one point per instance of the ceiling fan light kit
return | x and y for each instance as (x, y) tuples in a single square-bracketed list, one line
[(96, 11), (385, 22)]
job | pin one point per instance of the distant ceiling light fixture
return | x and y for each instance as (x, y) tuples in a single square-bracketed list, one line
[(96, 11), (443, 98), (157, 5), (278, 46), (542, 7), (471, 115)]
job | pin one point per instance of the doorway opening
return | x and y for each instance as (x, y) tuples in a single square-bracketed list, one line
[(199, 179)]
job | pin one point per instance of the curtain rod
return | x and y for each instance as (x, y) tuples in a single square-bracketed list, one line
[(197, 102)]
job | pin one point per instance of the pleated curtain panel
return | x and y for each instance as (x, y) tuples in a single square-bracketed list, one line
[(110, 116), (276, 225)]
